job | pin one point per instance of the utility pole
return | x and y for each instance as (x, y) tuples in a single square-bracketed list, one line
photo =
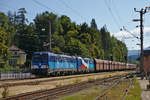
[(50, 36), (48, 45), (142, 12)]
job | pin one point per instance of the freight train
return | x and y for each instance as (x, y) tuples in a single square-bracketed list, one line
[(46, 63)]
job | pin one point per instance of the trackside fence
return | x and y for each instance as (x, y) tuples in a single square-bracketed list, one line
[(5, 75)]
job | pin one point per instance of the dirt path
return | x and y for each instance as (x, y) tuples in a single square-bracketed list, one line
[(145, 94)]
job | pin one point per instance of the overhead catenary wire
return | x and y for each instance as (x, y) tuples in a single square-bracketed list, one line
[(147, 2), (113, 17), (4, 9), (73, 10), (117, 15), (8, 8), (43, 5), (116, 11), (131, 33)]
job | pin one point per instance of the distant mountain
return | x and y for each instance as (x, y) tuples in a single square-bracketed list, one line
[(148, 48), (133, 52), (133, 55), (133, 58)]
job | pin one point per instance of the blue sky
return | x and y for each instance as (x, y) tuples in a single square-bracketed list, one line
[(114, 13)]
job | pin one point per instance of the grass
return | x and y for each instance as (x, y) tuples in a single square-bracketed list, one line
[(88, 94), (58, 85), (9, 68), (90, 79), (76, 80), (135, 92), (117, 92), (5, 92)]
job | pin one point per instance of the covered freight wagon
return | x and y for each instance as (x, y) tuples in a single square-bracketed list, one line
[(99, 65)]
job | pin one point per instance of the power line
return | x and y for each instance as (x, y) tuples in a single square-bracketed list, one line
[(4, 9), (7, 6), (114, 18), (131, 33), (116, 11), (76, 12), (147, 1), (109, 9), (129, 22), (43, 5)]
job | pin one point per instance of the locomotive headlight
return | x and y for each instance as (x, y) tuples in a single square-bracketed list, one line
[(34, 66), (43, 66)]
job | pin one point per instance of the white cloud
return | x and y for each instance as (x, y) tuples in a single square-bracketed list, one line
[(135, 32), (131, 41)]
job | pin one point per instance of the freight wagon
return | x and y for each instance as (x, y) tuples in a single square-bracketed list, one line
[(46, 63)]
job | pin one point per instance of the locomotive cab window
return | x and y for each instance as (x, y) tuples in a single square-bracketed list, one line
[(40, 58)]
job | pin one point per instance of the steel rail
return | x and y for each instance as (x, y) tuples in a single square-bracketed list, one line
[(56, 92)]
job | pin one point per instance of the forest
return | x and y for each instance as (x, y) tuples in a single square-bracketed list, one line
[(67, 37)]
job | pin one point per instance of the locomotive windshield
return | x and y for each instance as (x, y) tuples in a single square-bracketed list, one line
[(38, 58)]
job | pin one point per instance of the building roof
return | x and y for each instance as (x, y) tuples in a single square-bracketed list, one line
[(148, 48), (147, 51), (14, 48)]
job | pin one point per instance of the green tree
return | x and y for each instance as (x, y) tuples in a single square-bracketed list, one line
[(75, 47), (4, 53), (21, 19), (43, 21), (106, 42), (93, 24), (3, 46), (66, 24), (67, 36)]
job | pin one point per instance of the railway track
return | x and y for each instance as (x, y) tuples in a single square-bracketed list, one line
[(36, 81), (54, 93), (104, 95), (130, 86), (109, 87)]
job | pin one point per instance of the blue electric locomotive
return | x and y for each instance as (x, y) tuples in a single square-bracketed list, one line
[(46, 63)]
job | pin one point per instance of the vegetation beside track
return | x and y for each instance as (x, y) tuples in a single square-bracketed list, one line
[(116, 93), (48, 83), (135, 92), (88, 94)]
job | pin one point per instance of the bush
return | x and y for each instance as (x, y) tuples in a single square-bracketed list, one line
[(2, 64), (5, 93), (9, 68), (76, 80), (135, 92), (58, 85), (91, 79)]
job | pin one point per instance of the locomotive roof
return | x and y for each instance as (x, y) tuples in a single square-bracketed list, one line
[(61, 55), (53, 54)]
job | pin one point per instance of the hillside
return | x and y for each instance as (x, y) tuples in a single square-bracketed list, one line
[(133, 55)]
